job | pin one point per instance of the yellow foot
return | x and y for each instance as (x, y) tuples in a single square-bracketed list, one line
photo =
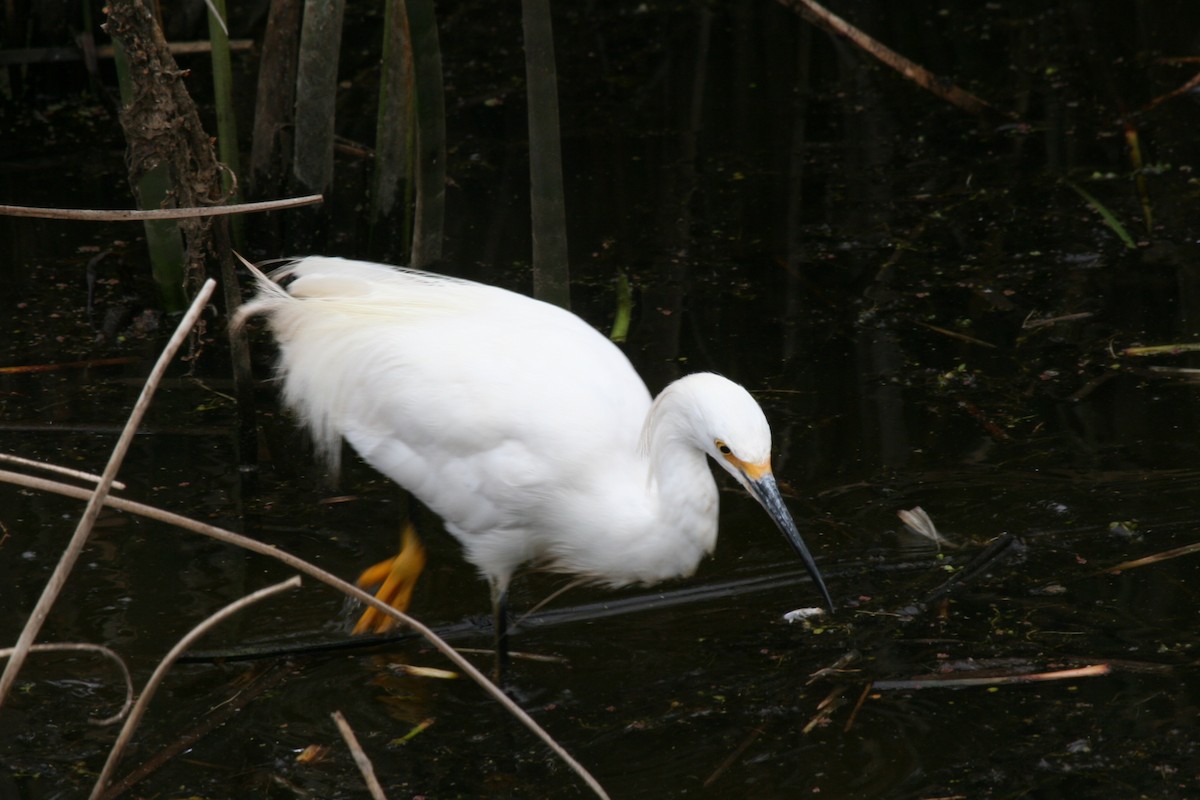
[(396, 578)]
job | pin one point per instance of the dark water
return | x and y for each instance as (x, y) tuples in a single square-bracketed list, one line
[(864, 257)]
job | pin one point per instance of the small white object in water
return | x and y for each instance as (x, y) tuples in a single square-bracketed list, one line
[(921, 524), (803, 614)]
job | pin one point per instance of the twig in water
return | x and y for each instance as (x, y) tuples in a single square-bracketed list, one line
[(956, 335), (986, 422), (516, 655), (1146, 561), (1162, 349), (360, 758), (836, 668), (1187, 86), (65, 563), (1188, 373), (139, 708), (58, 470), (260, 683), (67, 647), (943, 682), (986, 558), (29, 369), (862, 698), (415, 731), (734, 756), (1091, 386), (433, 673), (832, 702), (300, 565), (993, 552), (1031, 321)]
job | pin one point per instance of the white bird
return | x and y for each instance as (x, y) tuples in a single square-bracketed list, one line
[(527, 431)]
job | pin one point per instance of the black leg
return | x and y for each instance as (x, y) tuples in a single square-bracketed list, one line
[(500, 625)]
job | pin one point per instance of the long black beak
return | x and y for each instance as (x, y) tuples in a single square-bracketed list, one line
[(766, 492)]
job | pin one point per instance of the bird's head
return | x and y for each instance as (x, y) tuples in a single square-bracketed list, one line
[(729, 425)]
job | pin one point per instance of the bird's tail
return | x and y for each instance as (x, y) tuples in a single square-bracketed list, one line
[(270, 294), (335, 320), (314, 400)]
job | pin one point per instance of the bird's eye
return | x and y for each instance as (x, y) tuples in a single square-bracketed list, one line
[(724, 448)]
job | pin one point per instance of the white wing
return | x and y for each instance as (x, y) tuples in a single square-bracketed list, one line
[(476, 399)]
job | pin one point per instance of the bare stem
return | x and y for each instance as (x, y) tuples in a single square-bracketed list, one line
[(58, 470), (74, 647), (67, 561), (135, 215), (139, 708), (229, 537), (360, 758), (943, 681)]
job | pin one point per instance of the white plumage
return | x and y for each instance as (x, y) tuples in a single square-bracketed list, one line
[(528, 432)]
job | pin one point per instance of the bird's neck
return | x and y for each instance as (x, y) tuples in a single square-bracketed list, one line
[(680, 477), (653, 522)]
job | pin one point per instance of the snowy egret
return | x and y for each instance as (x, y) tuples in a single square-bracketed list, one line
[(524, 429)]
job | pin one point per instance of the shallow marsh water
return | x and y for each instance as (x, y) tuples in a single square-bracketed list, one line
[(864, 258)]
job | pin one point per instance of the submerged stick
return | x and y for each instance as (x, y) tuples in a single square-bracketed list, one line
[(983, 560), (724, 766), (1186, 87), (862, 699), (160, 672), (97, 499), (215, 718), (956, 335)]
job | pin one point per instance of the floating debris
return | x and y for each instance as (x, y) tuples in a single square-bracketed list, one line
[(423, 672), (917, 521)]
